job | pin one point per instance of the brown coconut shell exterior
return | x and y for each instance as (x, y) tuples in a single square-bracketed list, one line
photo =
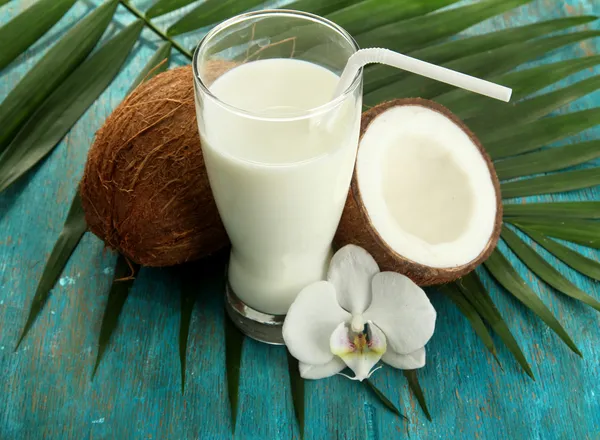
[(356, 227), (145, 191)]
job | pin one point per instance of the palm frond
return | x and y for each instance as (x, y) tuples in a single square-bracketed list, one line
[(162, 7), (485, 64), (409, 35), (475, 292), (124, 277), (529, 137), (507, 276), (371, 14), (234, 342), (589, 210), (210, 12), (415, 387), (65, 105), (571, 258), (297, 390), (552, 183), (187, 302), (452, 292), (73, 229), (544, 270), (62, 59), (584, 232), (378, 75), (382, 398), (320, 7), (544, 161), (163, 35), (26, 28), (75, 225), (159, 62), (535, 108)]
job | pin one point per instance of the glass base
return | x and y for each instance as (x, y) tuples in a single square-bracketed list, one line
[(257, 325)]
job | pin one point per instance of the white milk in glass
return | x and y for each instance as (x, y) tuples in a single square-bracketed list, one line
[(280, 178)]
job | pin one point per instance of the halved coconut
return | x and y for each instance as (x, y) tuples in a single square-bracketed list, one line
[(425, 199)]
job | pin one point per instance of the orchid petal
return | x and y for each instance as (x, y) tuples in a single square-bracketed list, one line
[(410, 361), (359, 351), (402, 311), (334, 366), (312, 317), (351, 270)]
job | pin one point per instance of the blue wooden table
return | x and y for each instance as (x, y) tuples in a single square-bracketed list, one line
[(46, 389)]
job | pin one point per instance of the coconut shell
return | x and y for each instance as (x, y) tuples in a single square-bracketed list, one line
[(356, 227), (145, 191)]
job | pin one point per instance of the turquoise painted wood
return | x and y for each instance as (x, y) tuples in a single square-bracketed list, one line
[(46, 389)]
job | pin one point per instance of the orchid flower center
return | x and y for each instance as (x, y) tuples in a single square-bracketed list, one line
[(357, 324)]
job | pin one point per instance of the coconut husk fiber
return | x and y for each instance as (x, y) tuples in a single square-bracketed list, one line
[(356, 227), (145, 191)]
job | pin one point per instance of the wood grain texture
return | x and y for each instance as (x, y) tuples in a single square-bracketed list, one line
[(46, 390)]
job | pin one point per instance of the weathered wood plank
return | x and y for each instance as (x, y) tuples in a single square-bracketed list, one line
[(46, 388)]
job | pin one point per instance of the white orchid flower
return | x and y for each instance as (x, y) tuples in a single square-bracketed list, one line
[(357, 317)]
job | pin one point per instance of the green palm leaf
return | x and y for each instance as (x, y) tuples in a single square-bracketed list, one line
[(3, 2), (545, 270), (27, 27), (571, 258), (466, 308), (405, 36), (553, 183), (119, 291), (525, 138), (320, 7), (349, 18), (551, 159), (297, 389), (425, 27), (57, 114), (484, 64), (585, 232), (70, 235), (534, 108), (187, 301), (589, 210), (73, 229), (234, 342), (475, 292), (139, 14), (415, 387), (61, 60), (507, 276), (162, 7), (371, 14), (523, 82), (159, 62), (379, 75), (382, 398), (210, 12)]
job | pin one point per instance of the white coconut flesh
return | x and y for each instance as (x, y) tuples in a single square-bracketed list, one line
[(426, 187)]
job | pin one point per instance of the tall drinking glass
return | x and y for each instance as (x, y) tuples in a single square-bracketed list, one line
[(279, 151)]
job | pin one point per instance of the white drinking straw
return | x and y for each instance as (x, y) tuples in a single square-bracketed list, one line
[(385, 56)]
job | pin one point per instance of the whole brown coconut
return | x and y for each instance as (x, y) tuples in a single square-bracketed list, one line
[(145, 191), (357, 226)]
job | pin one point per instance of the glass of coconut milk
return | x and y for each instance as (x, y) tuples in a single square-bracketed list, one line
[(279, 153)]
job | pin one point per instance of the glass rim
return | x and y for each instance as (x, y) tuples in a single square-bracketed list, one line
[(329, 105)]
